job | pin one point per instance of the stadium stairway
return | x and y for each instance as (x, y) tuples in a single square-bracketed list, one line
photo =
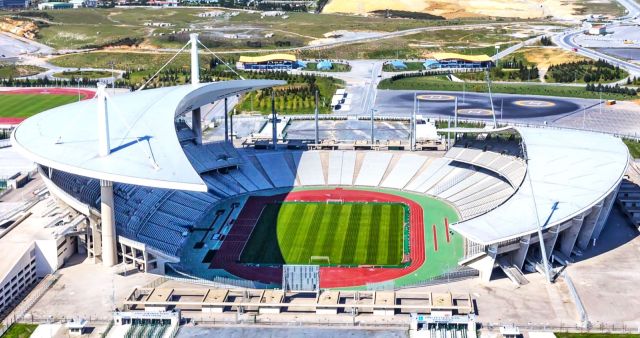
[(512, 272), (629, 201)]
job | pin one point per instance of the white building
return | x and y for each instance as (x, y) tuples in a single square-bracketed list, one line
[(34, 246), (597, 30)]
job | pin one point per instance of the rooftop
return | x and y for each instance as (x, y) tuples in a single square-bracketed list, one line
[(145, 149), (267, 58), (470, 58), (574, 168)]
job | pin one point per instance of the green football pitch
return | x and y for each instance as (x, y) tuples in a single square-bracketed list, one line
[(25, 105), (328, 233)]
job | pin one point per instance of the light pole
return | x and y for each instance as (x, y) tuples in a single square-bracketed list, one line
[(600, 101), (372, 127), (464, 91), (113, 77), (79, 80)]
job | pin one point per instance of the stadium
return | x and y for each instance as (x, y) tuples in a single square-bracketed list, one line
[(163, 200), (150, 192)]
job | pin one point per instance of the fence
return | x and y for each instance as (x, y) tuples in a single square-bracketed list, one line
[(635, 136), (454, 275)]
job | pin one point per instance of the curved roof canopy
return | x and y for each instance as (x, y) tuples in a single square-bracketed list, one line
[(576, 169), (145, 149)]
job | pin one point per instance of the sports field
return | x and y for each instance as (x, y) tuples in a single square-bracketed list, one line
[(25, 105), (349, 233)]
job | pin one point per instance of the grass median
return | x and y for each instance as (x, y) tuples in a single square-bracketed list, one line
[(440, 83)]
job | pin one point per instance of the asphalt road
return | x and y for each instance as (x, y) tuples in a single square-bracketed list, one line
[(566, 40), (478, 106)]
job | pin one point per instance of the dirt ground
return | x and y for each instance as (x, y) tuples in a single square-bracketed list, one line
[(459, 8), (544, 57)]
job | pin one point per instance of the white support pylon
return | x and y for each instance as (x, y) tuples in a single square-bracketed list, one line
[(195, 64), (104, 145)]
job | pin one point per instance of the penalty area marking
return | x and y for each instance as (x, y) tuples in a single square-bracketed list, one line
[(534, 103), (435, 97)]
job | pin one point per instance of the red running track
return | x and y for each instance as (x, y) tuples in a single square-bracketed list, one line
[(84, 95), (330, 277)]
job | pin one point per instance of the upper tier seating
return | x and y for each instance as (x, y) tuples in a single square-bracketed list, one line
[(211, 156)]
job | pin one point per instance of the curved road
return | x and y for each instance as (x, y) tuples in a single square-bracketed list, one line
[(566, 40)]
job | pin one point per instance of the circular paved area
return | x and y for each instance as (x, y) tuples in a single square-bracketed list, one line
[(475, 105), (435, 97), (534, 103)]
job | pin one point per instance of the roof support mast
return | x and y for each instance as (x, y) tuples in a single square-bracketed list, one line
[(196, 115), (107, 217), (104, 145), (195, 64)]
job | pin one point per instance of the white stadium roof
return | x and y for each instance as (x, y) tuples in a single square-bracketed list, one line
[(145, 149), (574, 168), (570, 168)]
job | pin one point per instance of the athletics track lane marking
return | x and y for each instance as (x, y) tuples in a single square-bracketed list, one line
[(435, 238), (446, 228)]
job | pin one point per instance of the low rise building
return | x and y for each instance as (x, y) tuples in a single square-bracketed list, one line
[(268, 62), (455, 60)]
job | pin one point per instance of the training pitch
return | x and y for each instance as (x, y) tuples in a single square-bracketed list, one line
[(25, 105), (328, 233)]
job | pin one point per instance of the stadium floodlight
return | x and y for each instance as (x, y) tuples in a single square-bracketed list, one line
[(543, 250), (372, 127), (317, 134), (413, 121), (226, 120), (274, 120), (493, 111)]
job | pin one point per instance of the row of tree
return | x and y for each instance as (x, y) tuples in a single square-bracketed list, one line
[(588, 70), (546, 41), (617, 89), (414, 74)]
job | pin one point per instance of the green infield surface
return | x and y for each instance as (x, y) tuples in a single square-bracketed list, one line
[(328, 233), (25, 105)]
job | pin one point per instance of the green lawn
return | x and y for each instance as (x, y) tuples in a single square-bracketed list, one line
[(11, 70), (347, 233), (410, 66), (20, 330), (92, 74), (336, 67), (25, 105), (634, 147), (440, 84)]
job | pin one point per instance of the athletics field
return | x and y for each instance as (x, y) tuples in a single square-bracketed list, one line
[(344, 225), (22, 103)]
